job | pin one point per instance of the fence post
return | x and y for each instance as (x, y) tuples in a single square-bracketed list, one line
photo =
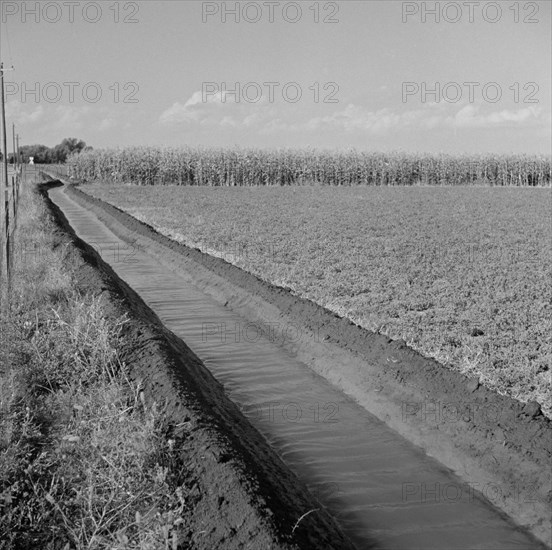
[(13, 199), (6, 238), (18, 188), (3, 242)]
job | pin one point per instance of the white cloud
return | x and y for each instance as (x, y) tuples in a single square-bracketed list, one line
[(193, 110), (70, 116), (271, 119), (106, 124), (229, 121), (24, 113), (194, 100), (178, 113), (212, 108), (35, 120), (431, 115), (470, 117)]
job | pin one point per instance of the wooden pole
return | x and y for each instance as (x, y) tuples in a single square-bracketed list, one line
[(13, 178), (4, 138), (19, 168), (4, 256), (13, 144)]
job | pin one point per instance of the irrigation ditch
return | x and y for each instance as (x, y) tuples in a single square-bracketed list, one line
[(244, 495), (404, 453)]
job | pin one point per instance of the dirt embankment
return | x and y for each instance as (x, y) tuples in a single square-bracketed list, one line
[(245, 497), (488, 439)]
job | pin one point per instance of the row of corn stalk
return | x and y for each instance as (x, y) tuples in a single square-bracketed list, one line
[(248, 167)]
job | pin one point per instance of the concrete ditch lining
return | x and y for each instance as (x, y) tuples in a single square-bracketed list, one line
[(512, 450)]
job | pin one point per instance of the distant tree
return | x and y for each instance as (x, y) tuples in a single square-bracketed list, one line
[(38, 152), (66, 147), (11, 158), (54, 155)]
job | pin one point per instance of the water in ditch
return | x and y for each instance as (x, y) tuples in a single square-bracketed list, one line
[(385, 492)]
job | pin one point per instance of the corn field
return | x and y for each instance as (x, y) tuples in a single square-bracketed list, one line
[(251, 167)]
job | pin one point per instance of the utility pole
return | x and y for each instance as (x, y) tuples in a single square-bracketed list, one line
[(4, 187), (5, 256), (4, 138), (13, 176)]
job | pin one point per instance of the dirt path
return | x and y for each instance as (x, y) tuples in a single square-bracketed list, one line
[(485, 438)]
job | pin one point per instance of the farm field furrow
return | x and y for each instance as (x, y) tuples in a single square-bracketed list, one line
[(460, 274)]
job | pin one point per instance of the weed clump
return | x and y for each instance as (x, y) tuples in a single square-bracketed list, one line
[(84, 461)]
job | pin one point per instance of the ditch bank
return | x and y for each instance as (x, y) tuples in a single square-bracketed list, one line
[(487, 439), (243, 494)]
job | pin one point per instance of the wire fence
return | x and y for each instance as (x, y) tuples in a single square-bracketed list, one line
[(54, 170), (18, 175), (9, 206)]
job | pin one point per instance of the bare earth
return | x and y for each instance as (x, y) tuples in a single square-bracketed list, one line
[(460, 274), (493, 438)]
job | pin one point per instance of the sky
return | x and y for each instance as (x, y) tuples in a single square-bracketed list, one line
[(452, 77)]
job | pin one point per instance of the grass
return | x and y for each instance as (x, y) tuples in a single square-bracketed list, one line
[(84, 462), (460, 274)]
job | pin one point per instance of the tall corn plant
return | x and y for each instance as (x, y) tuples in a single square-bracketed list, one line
[(243, 167)]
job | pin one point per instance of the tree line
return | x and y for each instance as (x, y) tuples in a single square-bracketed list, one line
[(43, 154)]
